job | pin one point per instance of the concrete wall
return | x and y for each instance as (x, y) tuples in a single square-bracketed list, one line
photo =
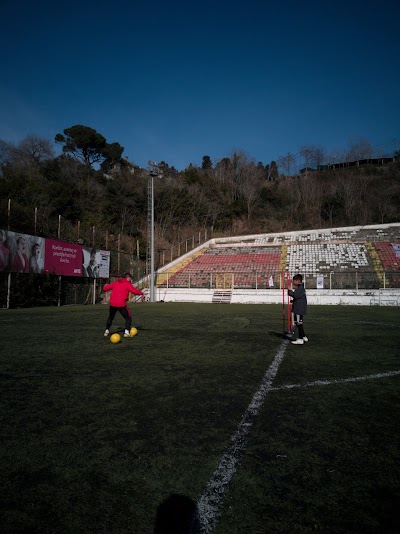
[(382, 297)]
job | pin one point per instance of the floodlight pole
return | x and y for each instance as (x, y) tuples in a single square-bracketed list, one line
[(154, 171)]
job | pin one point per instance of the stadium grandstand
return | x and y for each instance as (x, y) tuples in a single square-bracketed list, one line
[(361, 261)]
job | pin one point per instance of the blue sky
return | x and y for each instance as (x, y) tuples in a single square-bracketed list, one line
[(178, 80)]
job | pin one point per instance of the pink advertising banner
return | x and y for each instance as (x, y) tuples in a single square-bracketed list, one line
[(23, 253), (62, 258)]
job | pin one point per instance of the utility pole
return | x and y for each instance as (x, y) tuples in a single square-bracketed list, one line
[(154, 172)]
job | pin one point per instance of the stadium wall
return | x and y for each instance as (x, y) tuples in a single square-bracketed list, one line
[(380, 297)]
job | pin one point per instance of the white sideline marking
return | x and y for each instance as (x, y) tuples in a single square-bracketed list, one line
[(210, 503), (337, 381)]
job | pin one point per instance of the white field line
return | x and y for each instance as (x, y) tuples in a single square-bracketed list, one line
[(337, 381), (210, 503)]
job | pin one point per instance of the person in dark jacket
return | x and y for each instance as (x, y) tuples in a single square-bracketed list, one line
[(120, 290), (299, 307)]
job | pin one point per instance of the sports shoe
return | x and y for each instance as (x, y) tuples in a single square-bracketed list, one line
[(106, 333), (305, 339), (127, 335), (298, 342)]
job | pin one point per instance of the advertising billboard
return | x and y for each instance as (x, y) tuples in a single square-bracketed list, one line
[(95, 263), (23, 253), (62, 258)]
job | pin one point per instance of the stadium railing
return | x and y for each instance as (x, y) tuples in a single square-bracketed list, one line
[(262, 280)]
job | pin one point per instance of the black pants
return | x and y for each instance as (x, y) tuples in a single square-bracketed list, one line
[(298, 321), (124, 311)]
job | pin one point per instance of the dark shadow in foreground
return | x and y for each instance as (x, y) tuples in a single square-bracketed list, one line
[(177, 515), (286, 335)]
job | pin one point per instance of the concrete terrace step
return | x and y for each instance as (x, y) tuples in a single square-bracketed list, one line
[(222, 297)]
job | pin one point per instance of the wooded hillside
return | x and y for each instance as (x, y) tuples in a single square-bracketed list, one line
[(233, 196)]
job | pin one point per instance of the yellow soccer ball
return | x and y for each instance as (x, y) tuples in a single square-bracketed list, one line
[(133, 331), (115, 338)]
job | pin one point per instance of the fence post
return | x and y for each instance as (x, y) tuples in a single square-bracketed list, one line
[(138, 259), (119, 253), (8, 290), (59, 291), (131, 258)]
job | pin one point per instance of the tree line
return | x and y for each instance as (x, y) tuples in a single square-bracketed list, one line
[(92, 185)]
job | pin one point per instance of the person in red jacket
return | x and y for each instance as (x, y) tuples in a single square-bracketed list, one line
[(120, 290)]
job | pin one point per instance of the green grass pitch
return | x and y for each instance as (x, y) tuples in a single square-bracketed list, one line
[(97, 437)]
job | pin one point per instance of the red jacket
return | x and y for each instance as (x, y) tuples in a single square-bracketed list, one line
[(120, 290), (20, 263)]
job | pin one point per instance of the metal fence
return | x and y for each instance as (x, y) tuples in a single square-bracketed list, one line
[(19, 290), (33, 290), (272, 279)]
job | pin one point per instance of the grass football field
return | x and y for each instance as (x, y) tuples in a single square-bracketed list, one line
[(206, 414)]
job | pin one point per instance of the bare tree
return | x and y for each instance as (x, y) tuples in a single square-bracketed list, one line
[(287, 163), (223, 170), (306, 151), (335, 156), (313, 156), (319, 156), (35, 149), (4, 152), (252, 178), (31, 150), (359, 149)]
